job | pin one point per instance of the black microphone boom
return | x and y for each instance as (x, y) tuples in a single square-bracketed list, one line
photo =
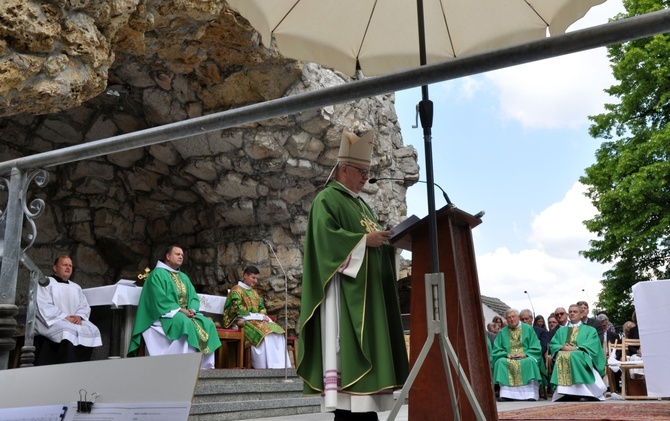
[(446, 197)]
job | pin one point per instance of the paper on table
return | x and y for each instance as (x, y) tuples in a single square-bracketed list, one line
[(163, 411), (126, 282), (33, 413)]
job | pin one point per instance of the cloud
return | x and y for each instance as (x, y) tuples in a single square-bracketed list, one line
[(559, 229), (559, 92), (556, 93), (551, 271), (468, 87)]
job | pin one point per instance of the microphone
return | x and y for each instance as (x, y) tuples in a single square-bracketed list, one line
[(446, 197), (285, 311)]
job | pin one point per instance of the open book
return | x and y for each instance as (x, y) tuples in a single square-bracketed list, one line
[(399, 231), (253, 316)]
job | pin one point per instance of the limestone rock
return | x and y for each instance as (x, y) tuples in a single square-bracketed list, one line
[(74, 71), (55, 57)]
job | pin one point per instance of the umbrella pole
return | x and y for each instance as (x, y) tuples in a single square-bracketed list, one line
[(437, 321)]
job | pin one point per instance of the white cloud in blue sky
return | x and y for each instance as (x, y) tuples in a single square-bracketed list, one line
[(514, 143)]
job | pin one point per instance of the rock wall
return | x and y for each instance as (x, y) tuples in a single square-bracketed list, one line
[(131, 65)]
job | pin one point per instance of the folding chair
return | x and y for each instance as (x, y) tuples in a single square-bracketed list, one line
[(631, 388)]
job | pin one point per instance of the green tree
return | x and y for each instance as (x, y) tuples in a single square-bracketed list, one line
[(630, 182)]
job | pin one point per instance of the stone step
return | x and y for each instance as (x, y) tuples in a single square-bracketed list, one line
[(246, 394), (259, 408)]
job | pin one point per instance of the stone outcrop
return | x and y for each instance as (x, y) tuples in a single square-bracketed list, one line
[(74, 71)]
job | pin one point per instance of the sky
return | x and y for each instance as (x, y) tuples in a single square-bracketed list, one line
[(514, 143)]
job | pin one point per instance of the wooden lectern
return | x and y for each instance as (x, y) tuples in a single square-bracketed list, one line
[(429, 397)]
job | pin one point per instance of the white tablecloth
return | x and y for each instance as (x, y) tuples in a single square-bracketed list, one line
[(212, 303), (118, 295), (126, 295), (113, 295)]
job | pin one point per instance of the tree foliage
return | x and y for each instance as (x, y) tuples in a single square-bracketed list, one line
[(630, 182)]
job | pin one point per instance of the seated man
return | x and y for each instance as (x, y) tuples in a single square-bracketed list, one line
[(516, 358), (268, 346), (167, 314), (579, 361), (526, 316), (62, 319)]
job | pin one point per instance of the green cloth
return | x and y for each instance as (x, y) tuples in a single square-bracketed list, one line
[(510, 372), (162, 294), (242, 302), (373, 352), (571, 367)]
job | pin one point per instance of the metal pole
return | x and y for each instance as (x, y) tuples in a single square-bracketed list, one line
[(587, 296), (426, 115), (585, 39), (285, 312), (531, 304)]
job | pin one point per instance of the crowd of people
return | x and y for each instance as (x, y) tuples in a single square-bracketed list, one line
[(564, 357)]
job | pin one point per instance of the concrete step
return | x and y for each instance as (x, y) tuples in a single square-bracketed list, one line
[(247, 394)]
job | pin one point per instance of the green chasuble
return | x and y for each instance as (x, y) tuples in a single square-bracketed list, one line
[(242, 302), (164, 291), (572, 367), (510, 372), (372, 345)]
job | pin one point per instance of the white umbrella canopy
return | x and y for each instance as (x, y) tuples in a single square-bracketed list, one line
[(381, 36)]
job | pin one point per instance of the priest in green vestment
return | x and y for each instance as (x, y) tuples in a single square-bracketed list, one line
[(579, 361), (516, 356), (168, 316), (351, 342), (268, 344)]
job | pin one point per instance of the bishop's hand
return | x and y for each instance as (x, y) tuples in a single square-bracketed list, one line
[(377, 238)]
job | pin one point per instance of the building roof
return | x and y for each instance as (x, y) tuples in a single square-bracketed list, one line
[(495, 304)]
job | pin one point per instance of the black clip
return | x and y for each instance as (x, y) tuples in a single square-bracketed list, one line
[(84, 405)]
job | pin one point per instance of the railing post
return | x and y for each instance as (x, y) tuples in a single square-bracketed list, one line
[(11, 254), (12, 220)]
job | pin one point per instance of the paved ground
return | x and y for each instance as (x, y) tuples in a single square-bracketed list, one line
[(402, 415)]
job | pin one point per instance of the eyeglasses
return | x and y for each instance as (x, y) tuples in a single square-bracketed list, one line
[(364, 173), (559, 314)]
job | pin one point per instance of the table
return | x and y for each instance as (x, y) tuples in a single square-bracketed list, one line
[(122, 297), (117, 295)]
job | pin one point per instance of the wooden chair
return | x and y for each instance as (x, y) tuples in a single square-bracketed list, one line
[(631, 388), (230, 336), (292, 346), (611, 375)]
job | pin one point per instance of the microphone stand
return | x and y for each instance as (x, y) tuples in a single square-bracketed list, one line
[(285, 312), (531, 304)]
